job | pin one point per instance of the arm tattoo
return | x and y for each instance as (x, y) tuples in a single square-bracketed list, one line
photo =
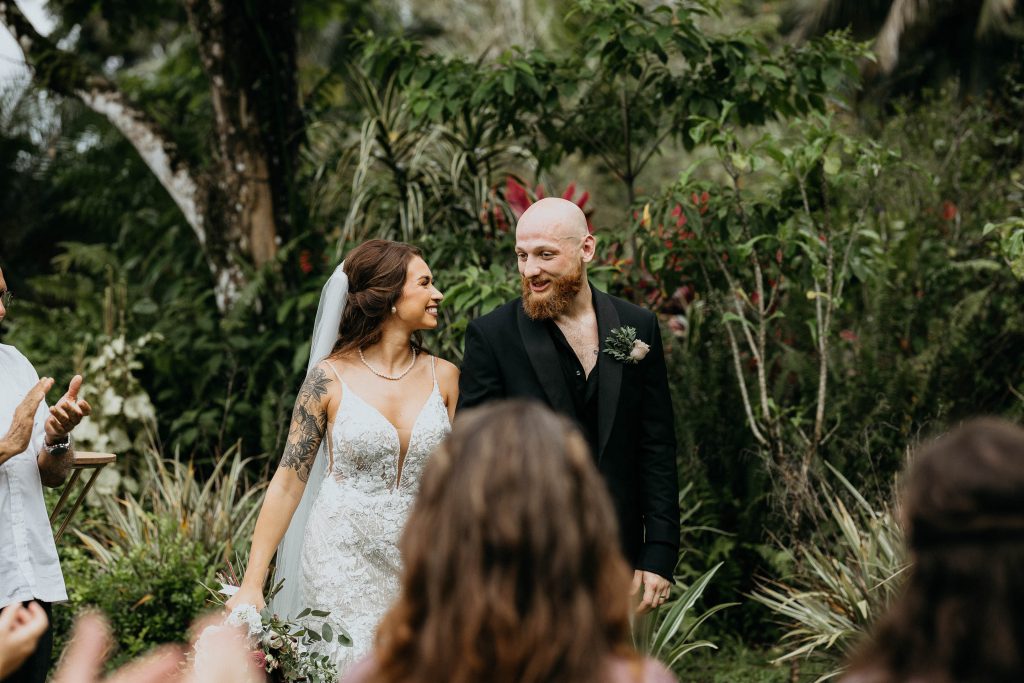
[(309, 422)]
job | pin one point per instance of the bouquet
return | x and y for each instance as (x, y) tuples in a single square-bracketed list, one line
[(283, 648)]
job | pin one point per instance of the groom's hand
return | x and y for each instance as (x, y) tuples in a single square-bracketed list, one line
[(656, 590)]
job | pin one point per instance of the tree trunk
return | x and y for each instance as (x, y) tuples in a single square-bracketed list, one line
[(237, 208), (248, 52)]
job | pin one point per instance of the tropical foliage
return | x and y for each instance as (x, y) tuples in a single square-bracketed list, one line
[(144, 559), (840, 586), (835, 279)]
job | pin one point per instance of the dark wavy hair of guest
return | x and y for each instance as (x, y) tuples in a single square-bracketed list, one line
[(511, 566), (376, 271), (960, 616)]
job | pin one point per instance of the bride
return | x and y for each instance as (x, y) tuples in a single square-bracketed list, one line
[(373, 406)]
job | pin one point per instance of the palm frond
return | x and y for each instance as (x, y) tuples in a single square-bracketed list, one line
[(996, 16), (903, 14), (842, 583), (177, 502), (669, 634), (407, 175)]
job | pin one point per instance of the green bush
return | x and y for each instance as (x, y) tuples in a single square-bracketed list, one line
[(144, 560), (149, 597)]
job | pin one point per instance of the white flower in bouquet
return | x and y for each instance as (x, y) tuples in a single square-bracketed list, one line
[(247, 616), (279, 646), (272, 641)]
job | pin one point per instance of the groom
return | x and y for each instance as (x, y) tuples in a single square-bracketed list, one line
[(549, 345)]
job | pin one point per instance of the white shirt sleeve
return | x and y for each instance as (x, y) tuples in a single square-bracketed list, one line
[(29, 565)]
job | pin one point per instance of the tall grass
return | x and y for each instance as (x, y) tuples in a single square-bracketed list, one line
[(217, 512), (842, 583)]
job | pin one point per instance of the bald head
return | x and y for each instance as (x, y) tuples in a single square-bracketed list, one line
[(553, 248), (553, 218)]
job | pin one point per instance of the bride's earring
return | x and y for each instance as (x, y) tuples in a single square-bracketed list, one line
[(394, 310)]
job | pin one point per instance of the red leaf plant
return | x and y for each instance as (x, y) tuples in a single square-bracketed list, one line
[(519, 198)]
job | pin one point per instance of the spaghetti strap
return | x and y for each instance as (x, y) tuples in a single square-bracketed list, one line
[(335, 370), (433, 370), (330, 426)]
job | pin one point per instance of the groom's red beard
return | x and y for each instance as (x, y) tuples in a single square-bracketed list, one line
[(559, 297)]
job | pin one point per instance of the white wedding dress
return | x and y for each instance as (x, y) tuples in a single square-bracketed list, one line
[(350, 562)]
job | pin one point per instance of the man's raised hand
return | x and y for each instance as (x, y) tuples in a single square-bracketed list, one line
[(67, 412), (20, 433)]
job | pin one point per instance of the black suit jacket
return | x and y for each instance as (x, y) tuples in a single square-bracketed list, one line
[(508, 355)]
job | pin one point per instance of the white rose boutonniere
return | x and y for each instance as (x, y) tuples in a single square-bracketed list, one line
[(623, 346), (639, 351)]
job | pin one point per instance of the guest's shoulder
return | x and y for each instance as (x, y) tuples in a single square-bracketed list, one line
[(9, 353), (655, 672), (361, 672), (639, 670), (871, 675)]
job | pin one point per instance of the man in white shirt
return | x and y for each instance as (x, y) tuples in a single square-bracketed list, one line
[(35, 450)]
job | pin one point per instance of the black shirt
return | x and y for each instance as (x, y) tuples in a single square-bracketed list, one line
[(582, 388)]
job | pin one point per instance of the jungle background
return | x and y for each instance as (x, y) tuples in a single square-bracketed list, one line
[(824, 202)]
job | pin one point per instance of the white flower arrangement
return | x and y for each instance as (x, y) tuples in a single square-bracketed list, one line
[(247, 616), (121, 405), (281, 647)]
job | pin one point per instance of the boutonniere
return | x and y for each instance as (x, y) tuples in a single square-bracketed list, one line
[(623, 346)]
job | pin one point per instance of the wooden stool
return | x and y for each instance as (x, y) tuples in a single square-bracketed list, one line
[(82, 460)]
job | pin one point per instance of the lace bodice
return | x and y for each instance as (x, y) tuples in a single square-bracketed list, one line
[(367, 448), (350, 559)]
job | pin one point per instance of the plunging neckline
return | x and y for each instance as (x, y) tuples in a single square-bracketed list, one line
[(400, 458)]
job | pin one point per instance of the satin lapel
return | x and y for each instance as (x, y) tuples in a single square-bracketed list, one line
[(544, 357), (609, 369)]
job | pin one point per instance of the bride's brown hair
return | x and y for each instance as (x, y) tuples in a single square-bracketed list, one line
[(512, 570), (376, 271)]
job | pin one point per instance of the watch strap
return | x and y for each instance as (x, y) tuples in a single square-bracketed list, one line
[(60, 447)]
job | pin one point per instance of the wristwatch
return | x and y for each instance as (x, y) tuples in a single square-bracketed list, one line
[(59, 448)]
